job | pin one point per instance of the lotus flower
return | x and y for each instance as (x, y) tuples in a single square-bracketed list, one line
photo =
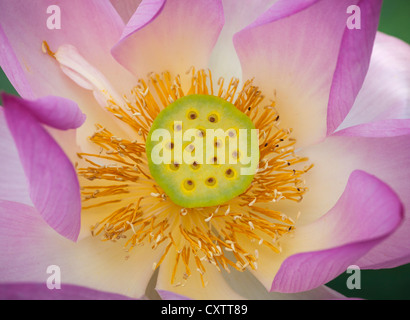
[(330, 103)]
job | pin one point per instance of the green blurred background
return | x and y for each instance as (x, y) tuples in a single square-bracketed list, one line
[(375, 284)]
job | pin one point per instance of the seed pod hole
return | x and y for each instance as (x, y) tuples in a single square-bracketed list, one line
[(170, 145), (192, 115), (174, 166), (189, 184), (213, 118), (229, 173), (195, 165), (211, 181)]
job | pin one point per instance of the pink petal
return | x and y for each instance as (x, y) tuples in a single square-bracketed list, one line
[(125, 8), (170, 35), (53, 183), (169, 295), (358, 222), (25, 37), (30, 246), (378, 129), (36, 74), (295, 49), (385, 93), (385, 157), (395, 250), (13, 181), (12, 68), (56, 112), (39, 291), (352, 64), (224, 61)]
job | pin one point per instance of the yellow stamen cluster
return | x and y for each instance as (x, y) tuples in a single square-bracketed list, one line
[(117, 179)]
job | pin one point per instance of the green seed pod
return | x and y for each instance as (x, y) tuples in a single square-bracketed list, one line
[(209, 155)]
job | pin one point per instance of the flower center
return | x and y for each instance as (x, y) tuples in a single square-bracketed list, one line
[(197, 208), (197, 151)]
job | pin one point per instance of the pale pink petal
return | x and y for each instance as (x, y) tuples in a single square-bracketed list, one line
[(39, 291), (353, 63), (52, 179), (35, 74), (30, 246), (170, 35), (224, 61), (354, 148), (295, 48), (385, 93), (12, 68), (13, 181), (126, 8), (366, 214), (25, 37)]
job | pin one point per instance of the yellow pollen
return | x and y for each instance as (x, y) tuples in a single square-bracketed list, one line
[(116, 179)]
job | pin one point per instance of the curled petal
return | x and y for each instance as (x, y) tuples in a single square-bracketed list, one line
[(385, 157), (385, 94), (352, 63), (56, 112), (53, 183), (365, 215), (125, 8), (296, 48)]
